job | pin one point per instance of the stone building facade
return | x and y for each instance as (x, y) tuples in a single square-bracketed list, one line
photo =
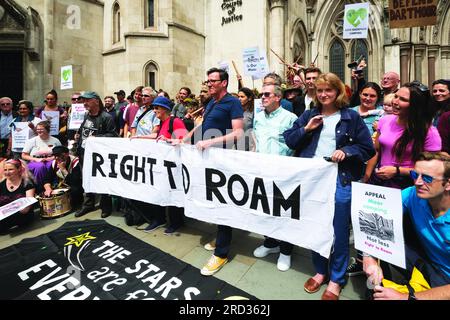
[(120, 44)]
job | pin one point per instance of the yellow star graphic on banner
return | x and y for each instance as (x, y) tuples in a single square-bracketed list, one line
[(78, 240)]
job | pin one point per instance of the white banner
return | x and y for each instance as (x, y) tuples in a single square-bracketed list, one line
[(20, 134), (377, 218), (15, 206), (53, 118), (286, 198), (356, 21), (77, 114)]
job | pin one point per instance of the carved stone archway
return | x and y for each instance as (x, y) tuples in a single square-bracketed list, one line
[(21, 41)]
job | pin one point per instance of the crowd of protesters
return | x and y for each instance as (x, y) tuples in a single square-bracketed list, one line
[(383, 134)]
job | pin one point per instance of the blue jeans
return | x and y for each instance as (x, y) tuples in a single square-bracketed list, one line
[(223, 241), (336, 265)]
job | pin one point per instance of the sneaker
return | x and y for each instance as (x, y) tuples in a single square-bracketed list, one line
[(284, 262), (171, 230), (210, 246), (355, 268), (263, 251), (154, 225), (214, 264)]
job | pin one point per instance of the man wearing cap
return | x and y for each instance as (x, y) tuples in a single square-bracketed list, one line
[(145, 123), (97, 123), (120, 106), (65, 170)]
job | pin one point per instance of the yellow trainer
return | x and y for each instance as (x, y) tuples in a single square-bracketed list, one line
[(214, 264)]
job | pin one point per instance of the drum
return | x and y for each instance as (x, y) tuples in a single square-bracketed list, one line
[(57, 205)]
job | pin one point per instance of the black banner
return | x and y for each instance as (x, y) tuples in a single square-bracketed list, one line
[(92, 260)]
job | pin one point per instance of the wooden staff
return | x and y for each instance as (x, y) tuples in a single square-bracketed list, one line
[(241, 83), (281, 59), (313, 64)]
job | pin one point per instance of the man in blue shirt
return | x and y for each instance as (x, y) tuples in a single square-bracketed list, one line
[(223, 125), (427, 205)]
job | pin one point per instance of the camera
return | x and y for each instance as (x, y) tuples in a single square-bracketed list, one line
[(355, 65)]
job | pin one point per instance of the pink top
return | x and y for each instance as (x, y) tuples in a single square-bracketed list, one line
[(390, 132), (131, 111), (179, 129)]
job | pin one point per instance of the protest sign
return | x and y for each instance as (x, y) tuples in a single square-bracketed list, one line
[(78, 111), (53, 118), (20, 134), (15, 206), (356, 21), (377, 220), (407, 14), (66, 77)]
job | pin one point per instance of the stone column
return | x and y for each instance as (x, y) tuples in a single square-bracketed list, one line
[(445, 63), (48, 22), (405, 54), (432, 54), (419, 51), (276, 35)]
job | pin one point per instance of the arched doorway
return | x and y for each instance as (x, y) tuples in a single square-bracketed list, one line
[(20, 52)]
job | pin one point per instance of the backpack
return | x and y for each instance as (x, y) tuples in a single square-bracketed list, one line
[(130, 214)]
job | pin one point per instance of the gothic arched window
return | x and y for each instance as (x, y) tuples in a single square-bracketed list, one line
[(359, 48), (337, 59), (150, 13), (116, 23), (151, 75)]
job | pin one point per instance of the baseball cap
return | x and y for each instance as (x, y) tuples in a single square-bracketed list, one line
[(90, 95), (121, 92)]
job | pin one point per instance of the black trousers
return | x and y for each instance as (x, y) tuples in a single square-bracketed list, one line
[(105, 202)]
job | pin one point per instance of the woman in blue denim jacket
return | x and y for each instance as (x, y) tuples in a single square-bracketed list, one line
[(333, 131)]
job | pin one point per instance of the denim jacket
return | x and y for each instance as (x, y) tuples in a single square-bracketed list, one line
[(352, 137)]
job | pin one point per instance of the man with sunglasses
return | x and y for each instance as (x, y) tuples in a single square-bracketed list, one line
[(145, 122), (426, 206), (269, 124), (76, 99)]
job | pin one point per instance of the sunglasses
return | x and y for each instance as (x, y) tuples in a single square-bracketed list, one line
[(425, 177), (266, 94), (420, 86), (77, 99), (146, 96), (5, 104)]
